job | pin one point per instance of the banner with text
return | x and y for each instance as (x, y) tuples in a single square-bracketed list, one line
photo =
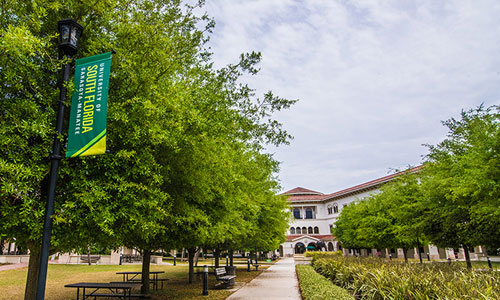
[(87, 123)]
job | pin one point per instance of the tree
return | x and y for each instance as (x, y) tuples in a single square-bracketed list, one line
[(170, 115), (27, 91), (462, 186), (348, 224), (389, 219), (402, 200), (230, 208)]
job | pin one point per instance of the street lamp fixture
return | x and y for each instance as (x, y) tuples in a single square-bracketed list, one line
[(69, 34)]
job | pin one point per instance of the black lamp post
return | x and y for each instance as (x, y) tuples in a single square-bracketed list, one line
[(69, 34)]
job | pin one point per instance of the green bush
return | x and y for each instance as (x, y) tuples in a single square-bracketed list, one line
[(313, 286), (318, 254), (373, 278)]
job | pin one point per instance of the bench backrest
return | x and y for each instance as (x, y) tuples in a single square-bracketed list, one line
[(220, 271)]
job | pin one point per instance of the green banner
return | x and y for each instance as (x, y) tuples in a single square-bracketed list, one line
[(87, 123)]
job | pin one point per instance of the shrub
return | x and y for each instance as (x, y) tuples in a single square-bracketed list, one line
[(318, 254), (372, 278), (313, 286)]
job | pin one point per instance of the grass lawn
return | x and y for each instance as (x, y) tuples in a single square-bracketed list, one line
[(12, 282)]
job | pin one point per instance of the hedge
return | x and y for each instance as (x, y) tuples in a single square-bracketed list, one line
[(376, 279), (313, 286)]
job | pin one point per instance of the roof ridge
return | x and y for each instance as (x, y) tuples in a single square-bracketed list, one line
[(301, 191), (303, 194), (373, 182)]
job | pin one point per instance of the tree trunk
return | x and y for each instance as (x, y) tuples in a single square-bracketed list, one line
[(197, 256), (33, 270), (217, 257), (405, 254), (182, 255), (146, 260), (191, 253), (231, 258), (467, 256), (88, 254)]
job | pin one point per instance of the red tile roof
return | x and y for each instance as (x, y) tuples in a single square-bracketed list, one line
[(371, 184), (302, 194), (318, 236), (306, 197), (301, 191)]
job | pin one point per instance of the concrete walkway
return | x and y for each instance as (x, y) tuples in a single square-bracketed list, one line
[(13, 266), (277, 282)]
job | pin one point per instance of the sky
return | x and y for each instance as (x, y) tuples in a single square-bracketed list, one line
[(374, 79)]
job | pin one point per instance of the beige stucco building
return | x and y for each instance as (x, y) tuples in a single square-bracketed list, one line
[(315, 213)]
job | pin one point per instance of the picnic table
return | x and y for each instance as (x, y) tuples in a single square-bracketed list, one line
[(114, 290), (131, 276)]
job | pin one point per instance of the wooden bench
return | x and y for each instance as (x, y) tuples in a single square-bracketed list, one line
[(131, 258), (227, 280), (256, 266)]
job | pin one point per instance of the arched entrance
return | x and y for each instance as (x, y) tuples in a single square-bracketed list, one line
[(330, 246), (300, 248), (311, 247), (281, 251), (320, 246)]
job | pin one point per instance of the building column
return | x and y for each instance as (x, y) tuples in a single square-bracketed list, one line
[(433, 252)]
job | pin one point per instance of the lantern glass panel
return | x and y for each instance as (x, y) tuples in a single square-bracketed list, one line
[(65, 31), (75, 35)]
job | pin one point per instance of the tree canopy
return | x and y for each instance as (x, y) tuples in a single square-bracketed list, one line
[(452, 202), (186, 140), (462, 186), (388, 219)]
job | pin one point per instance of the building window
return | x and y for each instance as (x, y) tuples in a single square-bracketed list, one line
[(292, 230), (330, 209), (309, 213), (298, 230), (304, 230), (310, 230), (336, 208), (316, 230), (296, 213)]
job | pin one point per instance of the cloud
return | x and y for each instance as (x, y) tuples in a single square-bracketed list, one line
[(374, 78)]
